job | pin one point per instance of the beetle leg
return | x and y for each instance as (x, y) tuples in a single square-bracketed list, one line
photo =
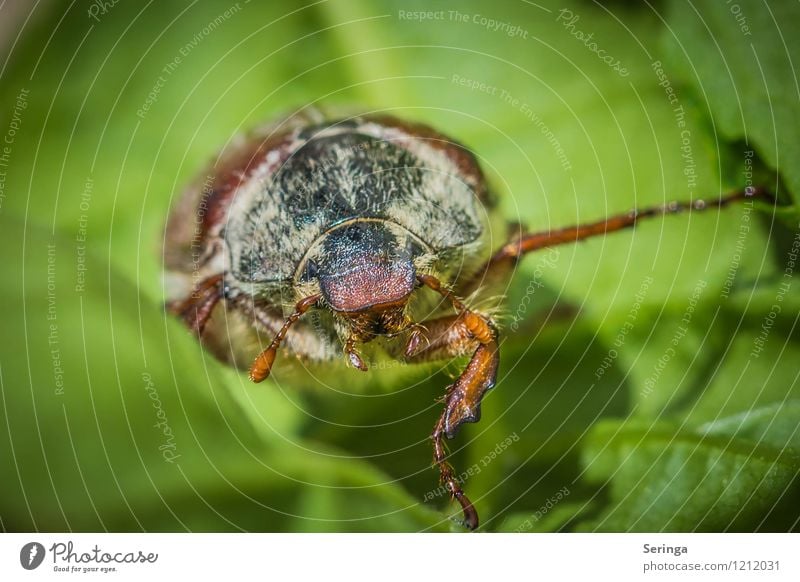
[(439, 338), (462, 404), (448, 478), (196, 309), (353, 356), (263, 363), (463, 398), (512, 251)]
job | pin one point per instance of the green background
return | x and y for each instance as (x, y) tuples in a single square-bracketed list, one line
[(713, 446)]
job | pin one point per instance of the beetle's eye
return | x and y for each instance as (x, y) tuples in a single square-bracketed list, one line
[(310, 272)]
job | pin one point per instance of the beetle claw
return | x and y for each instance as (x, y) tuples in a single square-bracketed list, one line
[(415, 339), (413, 343)]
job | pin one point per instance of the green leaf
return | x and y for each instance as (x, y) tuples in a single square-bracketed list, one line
[(740, 60), (553, 516), (736, 474)]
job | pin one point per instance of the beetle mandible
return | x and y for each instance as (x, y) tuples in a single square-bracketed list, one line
[(355, 217)]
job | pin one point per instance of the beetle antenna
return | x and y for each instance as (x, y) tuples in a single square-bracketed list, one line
[(262, 365)]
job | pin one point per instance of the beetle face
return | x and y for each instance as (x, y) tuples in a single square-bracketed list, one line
[(365, 265)]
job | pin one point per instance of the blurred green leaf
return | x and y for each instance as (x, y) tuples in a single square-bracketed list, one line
[(117, 115), (740, 59), (548, 518), (737, 474)]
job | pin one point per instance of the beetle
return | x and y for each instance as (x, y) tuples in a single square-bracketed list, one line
[(382, 226)]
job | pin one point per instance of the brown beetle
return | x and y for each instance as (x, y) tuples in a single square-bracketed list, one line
[(354, 217)]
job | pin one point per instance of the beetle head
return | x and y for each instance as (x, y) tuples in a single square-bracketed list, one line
[(364, 266)]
